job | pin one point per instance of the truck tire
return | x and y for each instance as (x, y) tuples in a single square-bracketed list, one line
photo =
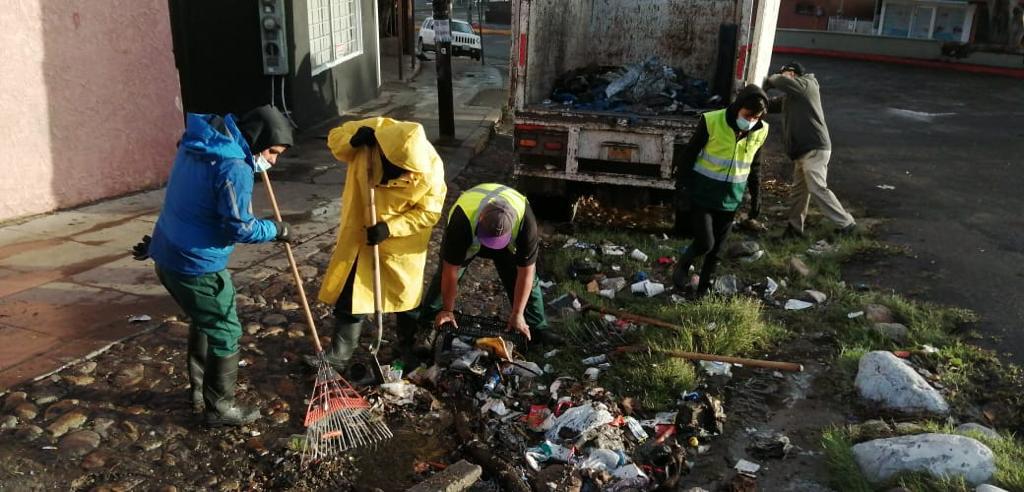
[(553, 208)]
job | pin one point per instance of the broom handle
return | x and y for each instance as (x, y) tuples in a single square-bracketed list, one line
[(766, 364), (295, 268), (378, 314), (633, 317)]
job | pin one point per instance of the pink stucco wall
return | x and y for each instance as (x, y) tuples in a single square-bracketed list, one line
[(89, 101)]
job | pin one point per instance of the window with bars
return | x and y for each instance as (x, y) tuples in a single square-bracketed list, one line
[(335, 32)]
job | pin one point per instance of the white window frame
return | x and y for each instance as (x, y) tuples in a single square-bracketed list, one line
[(316, 35)]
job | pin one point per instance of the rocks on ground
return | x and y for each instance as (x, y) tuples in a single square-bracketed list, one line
[(877, 313), (896, 332), (936, 454), (67, 422), (799, 267), (130, 375), (883, 378), (987, 432), (275, 319), (79, 443)]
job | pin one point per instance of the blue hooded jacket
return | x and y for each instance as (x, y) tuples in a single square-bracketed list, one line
[(208, 208)]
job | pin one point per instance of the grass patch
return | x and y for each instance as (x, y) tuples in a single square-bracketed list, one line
[(844, 474)]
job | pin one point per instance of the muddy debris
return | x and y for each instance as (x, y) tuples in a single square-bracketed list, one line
[(67, 422), (130, 375), (79, 443), (26, 411), (96, 459), (769, 445)]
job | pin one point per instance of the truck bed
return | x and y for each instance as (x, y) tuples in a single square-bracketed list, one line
[(605, 119)]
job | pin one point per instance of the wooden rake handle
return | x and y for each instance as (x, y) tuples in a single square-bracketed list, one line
[(632, 317), (295, 268), (764, 364), (378, 314)]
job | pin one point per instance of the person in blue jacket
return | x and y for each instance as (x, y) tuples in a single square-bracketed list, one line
[(207, 209)]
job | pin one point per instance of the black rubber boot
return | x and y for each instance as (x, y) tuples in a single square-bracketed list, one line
[(546, 336), (681, 272), (343, 345), (219, 393), (197, 348)]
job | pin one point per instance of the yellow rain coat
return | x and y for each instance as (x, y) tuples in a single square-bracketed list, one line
[(410, 204)]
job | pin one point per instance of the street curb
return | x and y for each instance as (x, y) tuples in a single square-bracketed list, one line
[(1017, 73)]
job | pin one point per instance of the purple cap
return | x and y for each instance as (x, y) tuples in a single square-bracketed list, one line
[(494, 226)]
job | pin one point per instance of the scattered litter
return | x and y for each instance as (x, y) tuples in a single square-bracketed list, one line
[(647, 288), (727, 285), (546, 284), (771, 287), (747, 467), (607, 293), (612, 250), (855, 314), (677, 299), (928, 349), (796, 305), (138, 318), (616, 268), (768, 445), (603, 459), (636, 429), (752, 258), (399, 394), (714, 368), (885, 187), (548, 368), (578, 423), (595, 360), (821, 247), (666, 260), (638, 255), (778, 375), (548, 355), (614, 283), (495, 406), (592, 373)]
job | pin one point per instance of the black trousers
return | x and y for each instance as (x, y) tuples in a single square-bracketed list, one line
[(710, 229)]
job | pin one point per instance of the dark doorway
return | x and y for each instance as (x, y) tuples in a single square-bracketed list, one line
[(217, 52)]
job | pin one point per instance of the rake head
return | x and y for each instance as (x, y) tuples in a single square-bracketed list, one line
[(338, 417)]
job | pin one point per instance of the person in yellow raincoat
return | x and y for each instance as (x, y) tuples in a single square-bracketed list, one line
[(408, 178)]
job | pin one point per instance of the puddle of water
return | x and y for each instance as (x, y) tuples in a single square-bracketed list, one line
[(390, 465)]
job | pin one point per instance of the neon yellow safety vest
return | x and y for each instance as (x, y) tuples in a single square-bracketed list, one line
[(723, 165), (472, 201)]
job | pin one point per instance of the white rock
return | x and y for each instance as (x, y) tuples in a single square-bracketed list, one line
[(883, 378), (936, 454), (989, 488), (978, 428)]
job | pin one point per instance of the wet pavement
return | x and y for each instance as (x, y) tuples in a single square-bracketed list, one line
[(942, 140)]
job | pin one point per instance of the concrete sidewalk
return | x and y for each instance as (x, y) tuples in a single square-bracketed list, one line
[(68, 284)]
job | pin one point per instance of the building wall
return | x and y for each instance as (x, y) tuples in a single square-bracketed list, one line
[(814, 14), (89, 93), (316, 98)]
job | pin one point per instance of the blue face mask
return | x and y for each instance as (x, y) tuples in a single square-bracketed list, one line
[(744, 124), (262, 164)]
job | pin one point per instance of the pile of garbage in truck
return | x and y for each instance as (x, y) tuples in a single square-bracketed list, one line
[(646, 88)]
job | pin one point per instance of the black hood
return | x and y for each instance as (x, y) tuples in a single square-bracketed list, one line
[(264, 127), (746, 94)]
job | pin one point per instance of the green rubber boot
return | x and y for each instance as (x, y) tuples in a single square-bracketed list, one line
[(343, 345), (197, 347), (219, 393)]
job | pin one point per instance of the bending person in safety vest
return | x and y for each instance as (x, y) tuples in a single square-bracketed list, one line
[(723, 154), (495, 222), (408, 180)]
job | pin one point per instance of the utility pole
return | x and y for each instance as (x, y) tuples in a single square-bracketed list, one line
[(401, 39), (480, 14), (443, 41)]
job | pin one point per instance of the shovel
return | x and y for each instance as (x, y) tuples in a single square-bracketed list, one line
[(374, 374)]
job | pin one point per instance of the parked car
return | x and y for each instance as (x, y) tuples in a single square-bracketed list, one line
[(464, 40)]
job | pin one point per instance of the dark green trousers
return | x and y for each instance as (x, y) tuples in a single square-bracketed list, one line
[(209, 301), (432, 302)]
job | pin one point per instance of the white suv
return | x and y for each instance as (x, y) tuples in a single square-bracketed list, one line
[(464, 40)]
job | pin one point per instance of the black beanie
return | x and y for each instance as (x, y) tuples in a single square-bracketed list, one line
[(265, 127)]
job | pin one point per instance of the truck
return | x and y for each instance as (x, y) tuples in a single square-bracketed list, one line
[(563, 152)]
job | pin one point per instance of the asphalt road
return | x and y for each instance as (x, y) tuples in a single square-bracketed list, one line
[(952, 146)]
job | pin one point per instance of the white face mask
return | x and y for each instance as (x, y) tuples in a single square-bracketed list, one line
[(262, 164), (745, 124)]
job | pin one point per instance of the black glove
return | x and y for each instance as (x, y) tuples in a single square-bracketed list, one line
[(284, 232), (377, 233), (364, 136), (141, 251)]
